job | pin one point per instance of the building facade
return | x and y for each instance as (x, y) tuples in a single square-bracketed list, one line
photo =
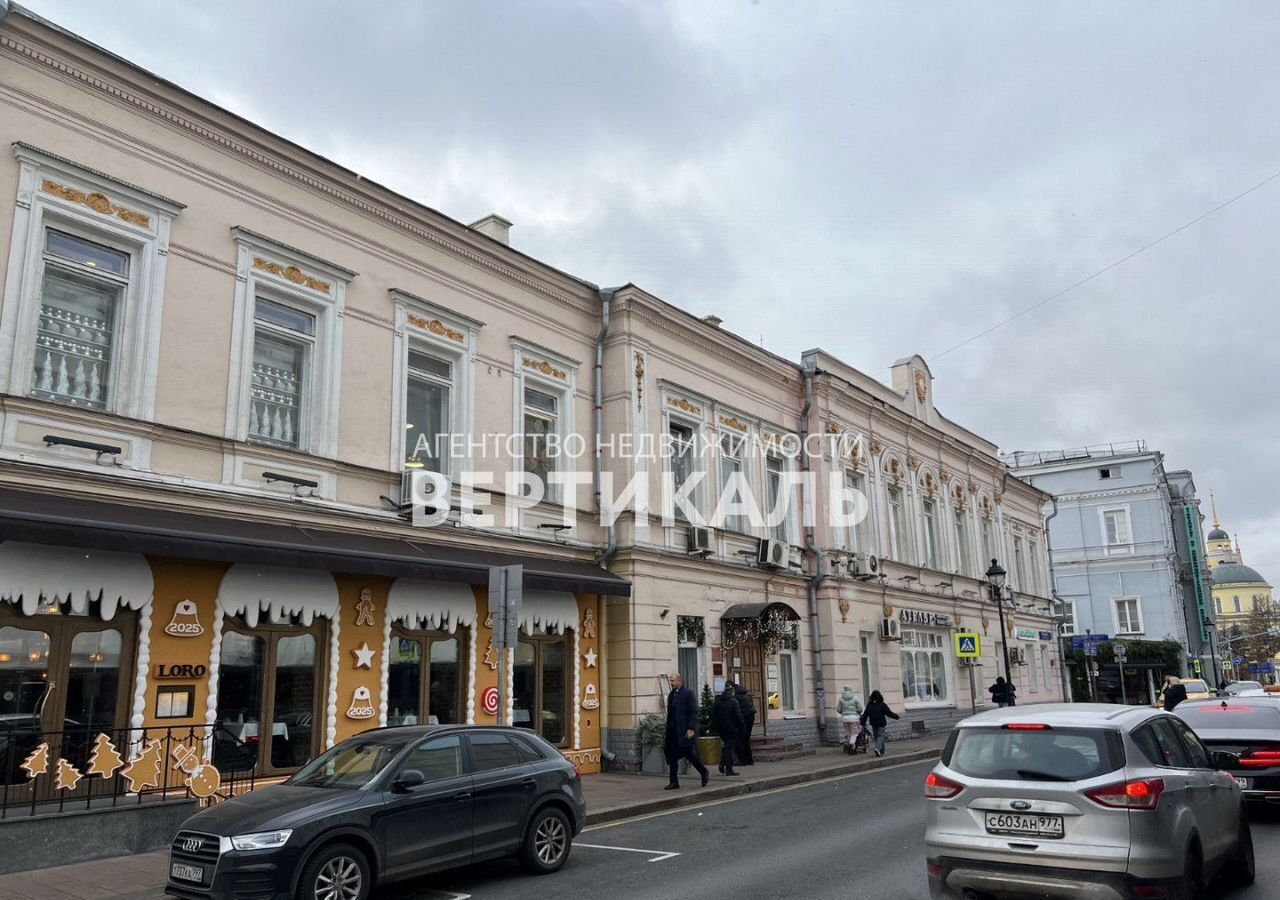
[(1243, 604), (1128, 559), (220, 355)]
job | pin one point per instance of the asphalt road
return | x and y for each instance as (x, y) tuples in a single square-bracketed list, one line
[(858, 836)]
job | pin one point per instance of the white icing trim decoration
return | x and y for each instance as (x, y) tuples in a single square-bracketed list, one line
[(385, 674), (577, 680), (419, 603), (143, 667), (471, 676), (335, 660), (511, 687), (71, 574), (548, 611)]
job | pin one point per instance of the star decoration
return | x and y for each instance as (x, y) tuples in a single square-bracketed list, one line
[(591, 659), (364, 656)]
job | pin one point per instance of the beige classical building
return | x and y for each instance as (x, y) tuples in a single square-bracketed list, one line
[(219, 356)]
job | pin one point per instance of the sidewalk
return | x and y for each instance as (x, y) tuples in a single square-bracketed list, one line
[(610, 797)]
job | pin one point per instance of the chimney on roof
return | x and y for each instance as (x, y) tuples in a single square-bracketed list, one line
[(713, 320), (494, 226)]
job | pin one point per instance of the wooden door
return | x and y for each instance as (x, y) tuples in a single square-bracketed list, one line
[(751, 674)]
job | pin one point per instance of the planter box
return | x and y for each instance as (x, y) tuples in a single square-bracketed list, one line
[(654, 761), (709, 750)]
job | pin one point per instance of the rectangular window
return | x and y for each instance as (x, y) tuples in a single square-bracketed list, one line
[(1128, 615), (731, 447), (1116, 532), (1112, 472), (1235, 605), (964, 563), (428, 420), (899, 532), (788, 680), (1020, 564), (1217, 605), (541, 428), (930, 534), (779, 504), (988, 546), (859, 533), (924, 667), (866, 641), (682, 462), (1029, 653), (80, 300), (283, 339), (1033, 565), (1068, 613)]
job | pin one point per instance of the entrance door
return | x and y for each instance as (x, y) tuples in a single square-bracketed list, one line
[(63, 680), (751, 674)]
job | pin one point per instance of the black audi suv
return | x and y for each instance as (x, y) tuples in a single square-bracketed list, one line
[(386, 805)]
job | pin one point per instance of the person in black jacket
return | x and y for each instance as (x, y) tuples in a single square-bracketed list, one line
[(1000, 692), (877, 713), (1174, 692), (748, 707), (728, 718), (682, 732)]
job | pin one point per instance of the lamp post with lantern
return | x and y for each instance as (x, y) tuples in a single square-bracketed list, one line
[(995, 581)]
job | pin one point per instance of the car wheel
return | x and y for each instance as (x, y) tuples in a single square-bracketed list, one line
[(1239, 871), (338, 872), (1192, 883), (547, 842)]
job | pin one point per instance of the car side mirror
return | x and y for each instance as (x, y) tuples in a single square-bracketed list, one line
[(1222, 760), (409, 778)]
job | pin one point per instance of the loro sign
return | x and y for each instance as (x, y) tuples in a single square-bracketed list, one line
[(181, 670)]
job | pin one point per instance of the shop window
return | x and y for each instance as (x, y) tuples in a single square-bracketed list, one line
[(541, 686), (270, 695), (924, 667), (424, 680)]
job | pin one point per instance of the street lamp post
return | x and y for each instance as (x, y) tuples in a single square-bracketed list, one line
[(1210, 627), (995, 580)]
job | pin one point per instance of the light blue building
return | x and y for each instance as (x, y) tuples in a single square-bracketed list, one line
[(1127, 556)]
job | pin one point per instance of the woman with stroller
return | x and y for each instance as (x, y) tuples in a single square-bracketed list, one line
[(877, 713), (849, 710)]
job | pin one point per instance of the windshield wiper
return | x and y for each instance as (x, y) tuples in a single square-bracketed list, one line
[(1041, 776)]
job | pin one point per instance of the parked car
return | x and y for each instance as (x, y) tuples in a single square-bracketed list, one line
[(386, 805), (1249, 728), (1082, 800), (1240, 687)]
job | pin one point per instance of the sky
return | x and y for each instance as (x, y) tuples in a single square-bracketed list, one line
[(907, 174)]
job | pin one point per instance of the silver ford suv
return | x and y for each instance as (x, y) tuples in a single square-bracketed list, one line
[(1082, 801)]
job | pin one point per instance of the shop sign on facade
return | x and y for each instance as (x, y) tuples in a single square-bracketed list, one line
[(1028, 634), (923, 617), (183, 670)]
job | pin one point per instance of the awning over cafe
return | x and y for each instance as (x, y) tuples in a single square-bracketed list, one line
[(125, 528)]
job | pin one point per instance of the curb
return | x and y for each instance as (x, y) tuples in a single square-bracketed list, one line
[(698, 796)]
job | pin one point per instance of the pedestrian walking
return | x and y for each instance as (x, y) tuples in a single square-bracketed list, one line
[(727, 715), (682, 732), (1173, 693), (850, 712), (877, 713), (1000, 692), (748, 707)]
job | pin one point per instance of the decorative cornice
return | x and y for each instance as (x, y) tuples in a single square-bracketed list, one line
[(435, 326), (541, 365), (96, 201), (684, 405), (292, 274)]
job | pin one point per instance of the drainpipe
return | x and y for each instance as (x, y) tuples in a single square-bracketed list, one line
[(611, 545), (1053, 593), (820, 560)]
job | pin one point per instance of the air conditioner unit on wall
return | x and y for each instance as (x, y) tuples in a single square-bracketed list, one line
[(428, 489), (698, 541), (864, 566), (890, 630), (773, 554)]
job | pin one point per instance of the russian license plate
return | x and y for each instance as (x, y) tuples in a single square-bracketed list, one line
[(1025, 824), (186, 873), (1244, 783)]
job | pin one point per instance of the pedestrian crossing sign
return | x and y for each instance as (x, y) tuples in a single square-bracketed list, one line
[(968, 645)]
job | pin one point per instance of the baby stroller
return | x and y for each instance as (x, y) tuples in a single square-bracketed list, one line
[(861, 741)]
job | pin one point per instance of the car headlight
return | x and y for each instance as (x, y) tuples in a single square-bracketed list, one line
[(263, 840)]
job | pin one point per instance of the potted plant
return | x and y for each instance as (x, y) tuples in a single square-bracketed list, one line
[(708, 742), (653, 736)]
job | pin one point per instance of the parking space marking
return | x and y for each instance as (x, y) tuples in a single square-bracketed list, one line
[(657, 855)]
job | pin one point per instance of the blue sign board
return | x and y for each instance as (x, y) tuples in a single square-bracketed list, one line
[(1238, 660), (1080, 641), (1263, 669), (1046, 635)]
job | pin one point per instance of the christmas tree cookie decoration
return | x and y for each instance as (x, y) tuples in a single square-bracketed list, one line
[(144, 771), (105, 759), (38, 762), (68, 776)]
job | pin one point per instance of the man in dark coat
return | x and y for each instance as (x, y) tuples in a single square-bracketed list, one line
[(1174, 692), (748, 707), (728, 718), (682, 732)]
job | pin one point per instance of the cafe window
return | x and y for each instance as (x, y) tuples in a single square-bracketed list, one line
[(924, 667), (541, 680), (270, 694), (424, 680)]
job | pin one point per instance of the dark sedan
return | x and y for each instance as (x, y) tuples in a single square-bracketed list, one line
[(386, 805), (1248, 727)]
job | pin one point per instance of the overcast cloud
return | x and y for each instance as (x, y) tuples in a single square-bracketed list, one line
[(909, 173)]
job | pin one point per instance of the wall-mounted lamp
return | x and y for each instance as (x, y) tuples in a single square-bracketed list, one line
[(54, 440)]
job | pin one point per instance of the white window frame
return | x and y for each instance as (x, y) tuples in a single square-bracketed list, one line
[(931, 552), (1115, 614), (1033, 565), (1120, 547), (1020, 564), (553, 374), (899, 525), (54, 193), (698, 495), (937, 642), (290, 278), (987, 536), (785, 530), (1217, 605), (789, 660), (743, 442), (860, 536), (1069, 617), (964, 540), (424, 327)]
